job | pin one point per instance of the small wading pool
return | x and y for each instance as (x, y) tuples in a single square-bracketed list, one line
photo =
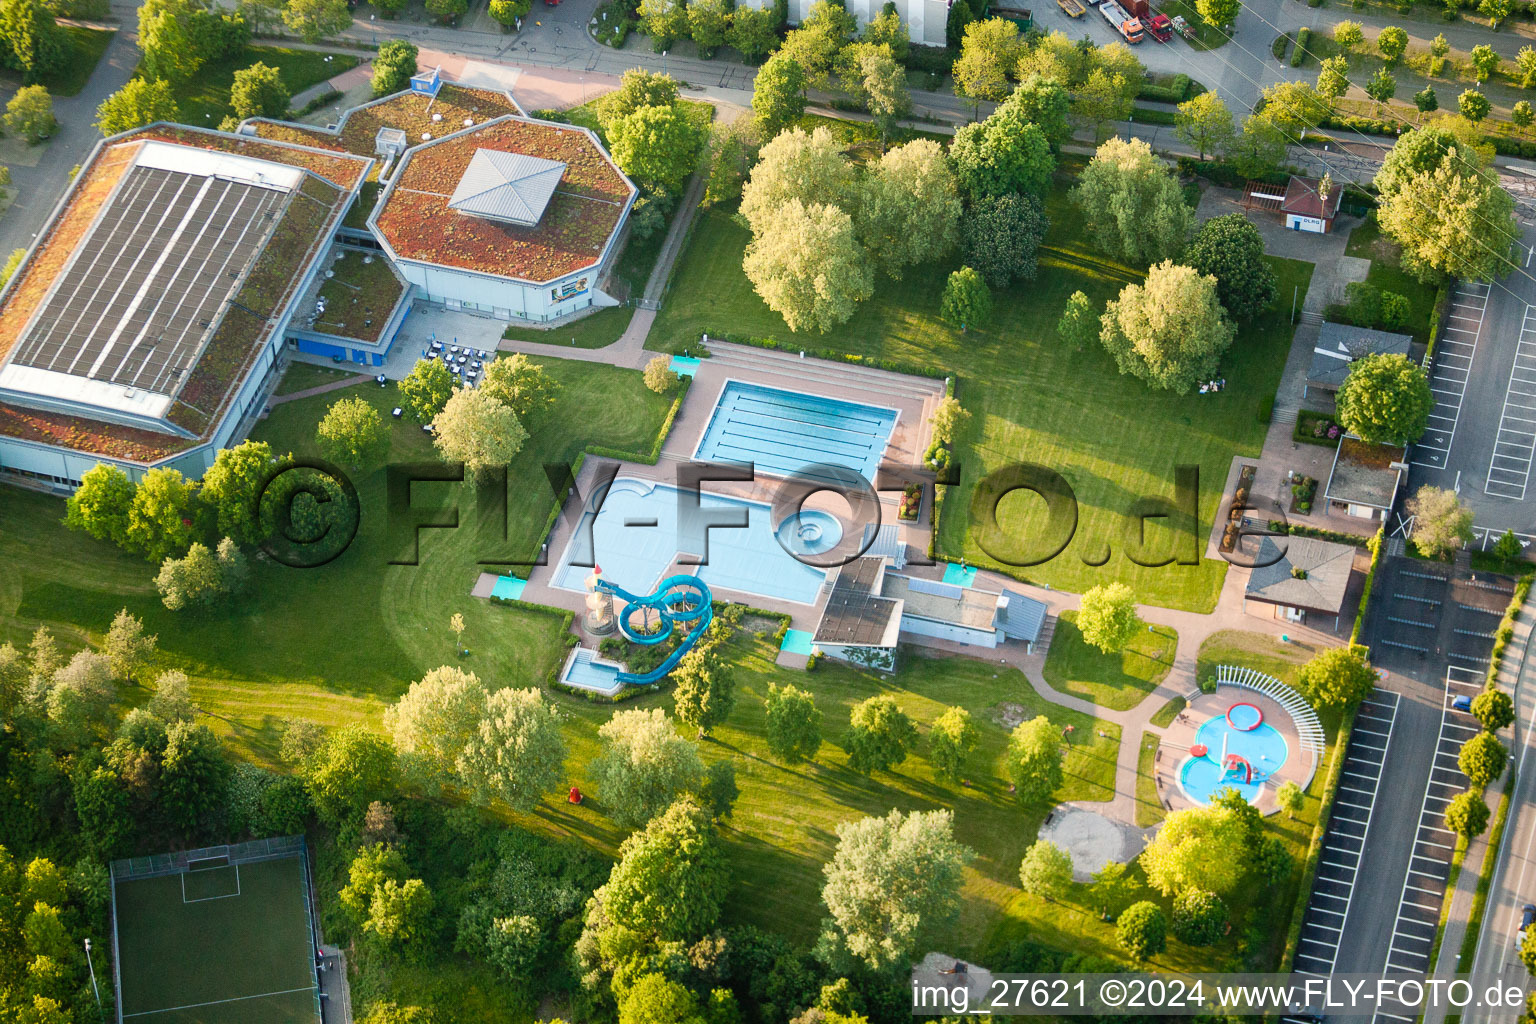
[(810, 532), (1261, 746)]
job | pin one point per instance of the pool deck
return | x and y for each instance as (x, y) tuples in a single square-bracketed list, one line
[(1300, 763)]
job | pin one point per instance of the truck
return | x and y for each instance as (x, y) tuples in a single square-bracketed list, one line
[(1128, 27), (1071, 8), (1020, 16), (1160, 27), (1141, 10)]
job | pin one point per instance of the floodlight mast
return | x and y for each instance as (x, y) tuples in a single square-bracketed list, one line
[(94, 988)]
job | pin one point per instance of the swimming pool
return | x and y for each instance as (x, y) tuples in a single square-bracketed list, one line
[(810, 532), (1203, 778), (586, 670), (635, 556), (782, 432)]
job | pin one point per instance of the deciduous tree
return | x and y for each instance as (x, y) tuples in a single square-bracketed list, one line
[(1142, 930), (140, 102), (1385, 399), (1289, 798), (704, 690), (194, 774), (1170, 331), (1205, 123), (516, 753), (1132, 204), (708, 21), (643, 766), (30, 41), (656, 146), (232, 487), (160, 519), (1349, 34), (1079, 322), (314, 20), (808, 266), (1467, 816), (1441, 524), (1033, 761), (1230, 249), (29, 114), (951, 740), (1482, 759), (521, 384), (1002, 155), (353, 434), (792, 723), (1046, 870), (671, 879), (478, 430), (752, 32), (966, 301), (348, 772), (426, 389), (1001, 236), (1043, 102), (1473, 105), (892, 882), (127, 648), (100, 504), (1199, 917), (1338, 677), (1494, 709), (1333, 78), (1197, 848), (1391, 42), (880, 735), (1485, 60), (799, 165), (1258, 149), (778, 94), (1107, 617), (909, 208), (258, 91)]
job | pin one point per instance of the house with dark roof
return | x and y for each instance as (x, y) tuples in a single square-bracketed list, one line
[(873, 606), (1310, 204), (1365, 478), (1339, 345), (1296, 577)]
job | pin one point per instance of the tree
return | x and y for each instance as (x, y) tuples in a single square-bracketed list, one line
[(656, 146), (507, 13), (752, 32), (1046, 870), (1002, 155), (127, 647), (1494, 710), (1338, 677), (314, 20), (1495, 11), (1385, 399), (516, 754), (1473, 105), (875, 76), (193, 775), (707, 24), (1525, 66), (101, 806), (393, 66), (1043, 102), (1333, 78), (351, 770), (100, 504), (996, 36), (435, 720), (1218, 13), (808, 266), (172, 701), (1205, 123), (1441, 524), (160, 517), (1107, 617), (353, 434), (778, 94), (719, 790), (1171, 331), (80, 697), (140, 102), (478, 430), (1259, 148), (792, 723), (1485, 60), (171, 37), (949, 418), (426, 389), (909, 207), (1001, 236), (30, 40), (1132, 204), (29, 114), (671, 879), (1467, 816), (951, 741), (1142, 930), (370, 869), (809, 167), (665, 21), (1289, 798), (232, 487), (1391, 42), (520, 384), (1230, 249), (1482, 759), (1112, 888), (643, 765), (1426, 100), (704, 690), (892, 881), (1102, 99), (966, 300), (1079, 323), (887, 29), (979, 76), (1197, 848), (1033, 761), (637, 88), (1199, 917), (1294, 107), (258, 91), (880, 735), (1349, 34), (659, 376), (959, 19), (192, 581), (1447, 212), (821, 36), (1522, 114)]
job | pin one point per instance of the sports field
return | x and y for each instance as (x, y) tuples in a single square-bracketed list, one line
[(221, 945)]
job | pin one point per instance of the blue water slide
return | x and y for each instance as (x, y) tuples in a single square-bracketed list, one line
[(678, 600)]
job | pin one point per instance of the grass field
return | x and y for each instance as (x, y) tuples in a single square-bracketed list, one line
[(204, 98), (596, 331), (303, 376), (225, 945), (1113, 439), (1149, 809), (1257, 651), (86, 46), (1117, 681)]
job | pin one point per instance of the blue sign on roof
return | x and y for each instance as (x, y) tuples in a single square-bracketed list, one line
[(427, 82)]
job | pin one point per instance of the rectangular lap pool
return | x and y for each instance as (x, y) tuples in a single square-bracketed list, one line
[(781, 432), (636, 538)]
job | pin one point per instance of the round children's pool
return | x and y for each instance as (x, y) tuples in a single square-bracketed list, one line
[(810, 532), (1235, 758)]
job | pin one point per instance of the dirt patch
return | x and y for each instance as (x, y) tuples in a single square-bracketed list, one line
[(1089, 838), (1009, 715), (760, 624)]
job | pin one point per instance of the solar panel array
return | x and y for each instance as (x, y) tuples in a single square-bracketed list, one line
[(146, 286)]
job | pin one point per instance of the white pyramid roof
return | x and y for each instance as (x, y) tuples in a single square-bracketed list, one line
[(505, 186)]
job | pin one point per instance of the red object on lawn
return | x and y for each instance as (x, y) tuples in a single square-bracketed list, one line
[(1199, 750), (575, 796)]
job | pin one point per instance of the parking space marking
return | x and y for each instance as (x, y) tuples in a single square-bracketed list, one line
[(1448, 378), (1514, 447)]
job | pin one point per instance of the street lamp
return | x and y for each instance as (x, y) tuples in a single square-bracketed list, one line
[(92, 964)]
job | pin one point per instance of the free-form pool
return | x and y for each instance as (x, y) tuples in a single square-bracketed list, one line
[(782, 432), (635, 556), (1203, 778)]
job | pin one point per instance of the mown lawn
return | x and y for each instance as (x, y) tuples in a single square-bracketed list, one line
[(1149, 809), (204, 98), (1117, 681), (303, 376), (1258, 651), (1032, 399), (595, 331)]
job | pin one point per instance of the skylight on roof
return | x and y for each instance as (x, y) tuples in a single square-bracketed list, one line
[(513, 187)]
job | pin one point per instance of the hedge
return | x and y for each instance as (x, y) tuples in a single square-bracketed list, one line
[(936, 60), (1278, 46), (1154, 115), (835, 356), (1376, 544), (1439, 313), (1298, 530), (1315, 847), (1223, 174), (1303, 37), (1302, 431), (1503, 634), (1176, 91)]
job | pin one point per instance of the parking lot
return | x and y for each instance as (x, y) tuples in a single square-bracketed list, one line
[(1514, 447), (1339, 865), (1455, 353), (1423, 614)]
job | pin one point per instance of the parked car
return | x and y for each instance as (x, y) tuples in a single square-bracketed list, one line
[(1462, 703), (1527, 915)]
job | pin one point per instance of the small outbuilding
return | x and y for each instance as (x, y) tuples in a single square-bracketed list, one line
[(1339, 345), (1365, 478), (1295, 577), (1310, 204)]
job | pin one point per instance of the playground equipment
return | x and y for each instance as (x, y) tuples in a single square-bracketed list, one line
[(677, 600), (1247, 718), (1236, 764)]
